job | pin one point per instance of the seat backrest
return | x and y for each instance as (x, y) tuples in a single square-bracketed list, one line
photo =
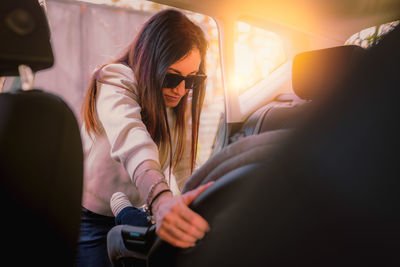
[(41, 170), (41, 158)]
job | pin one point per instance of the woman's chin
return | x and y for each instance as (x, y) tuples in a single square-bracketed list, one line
[(171, 102)]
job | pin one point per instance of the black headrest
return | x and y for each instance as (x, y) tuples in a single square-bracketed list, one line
[(25, 37), (318, 71)]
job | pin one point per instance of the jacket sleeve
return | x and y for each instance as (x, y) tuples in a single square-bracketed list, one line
[(118, 110)]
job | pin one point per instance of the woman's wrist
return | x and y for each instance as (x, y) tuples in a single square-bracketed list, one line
[(155, 189), (166, 196)]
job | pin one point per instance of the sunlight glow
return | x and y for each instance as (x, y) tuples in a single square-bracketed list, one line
[(244, 64), (257, 53)]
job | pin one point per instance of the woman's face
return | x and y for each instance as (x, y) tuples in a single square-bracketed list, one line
[(188, 65)]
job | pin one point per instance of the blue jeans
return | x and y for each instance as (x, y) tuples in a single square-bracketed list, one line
[(132, 216), (92, 242)]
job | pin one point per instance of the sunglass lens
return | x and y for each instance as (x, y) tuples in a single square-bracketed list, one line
[(190, 82), (193, 82), (172, 80)]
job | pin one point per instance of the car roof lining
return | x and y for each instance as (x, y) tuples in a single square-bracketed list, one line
[(336, 19)]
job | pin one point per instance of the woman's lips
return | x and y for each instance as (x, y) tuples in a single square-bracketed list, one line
[(172, 98)]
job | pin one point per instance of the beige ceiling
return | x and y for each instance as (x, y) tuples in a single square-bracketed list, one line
[(337, 19)]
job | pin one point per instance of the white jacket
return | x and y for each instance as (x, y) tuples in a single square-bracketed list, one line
[(112, 156)]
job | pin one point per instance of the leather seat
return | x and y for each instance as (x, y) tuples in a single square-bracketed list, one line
[(41, 158)]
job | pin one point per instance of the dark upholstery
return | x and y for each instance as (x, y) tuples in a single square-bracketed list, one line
[(248, 150), (286, 115), (281, 113), (41, 157), (41, 170)]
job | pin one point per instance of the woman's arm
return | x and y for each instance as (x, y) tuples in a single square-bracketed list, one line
[(175, 222), (119, 112)]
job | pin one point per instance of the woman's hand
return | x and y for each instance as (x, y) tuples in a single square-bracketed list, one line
[(176, 223)]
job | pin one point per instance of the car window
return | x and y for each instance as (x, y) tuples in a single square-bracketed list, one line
[(372, 35), (114, 22), (258, 52)]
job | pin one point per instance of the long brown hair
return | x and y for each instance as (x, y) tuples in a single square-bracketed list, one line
[(165, 38)]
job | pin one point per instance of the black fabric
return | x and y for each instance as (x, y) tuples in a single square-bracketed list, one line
[(25, 36), (41, 170), (329, 197), (283, 117), (281, 113), (248, 150)]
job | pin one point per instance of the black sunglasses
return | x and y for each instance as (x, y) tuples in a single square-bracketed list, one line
[(172, 80)]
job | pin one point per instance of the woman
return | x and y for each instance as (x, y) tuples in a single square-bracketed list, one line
[(137, 114)]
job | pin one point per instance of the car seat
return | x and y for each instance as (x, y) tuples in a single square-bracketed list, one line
[(326, 196), (313, 74), (273, 123), (41, 158)]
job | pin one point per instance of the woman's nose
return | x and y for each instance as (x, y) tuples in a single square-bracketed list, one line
[(180, 89)]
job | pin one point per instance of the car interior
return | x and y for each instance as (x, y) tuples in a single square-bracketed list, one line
[(304, 177), (313, 186)]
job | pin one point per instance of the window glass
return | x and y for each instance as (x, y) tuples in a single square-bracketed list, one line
[(258, 52), (372, 35)]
